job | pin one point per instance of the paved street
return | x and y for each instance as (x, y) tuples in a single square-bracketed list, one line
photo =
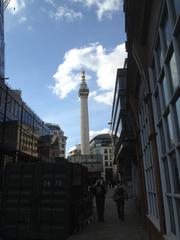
[(113, 228)]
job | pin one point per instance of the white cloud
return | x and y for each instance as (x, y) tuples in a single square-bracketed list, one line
[(22, 19), (92, 134), (65, 13), (104, 7), (76, 147), (50, 2), (105, 97), (95, 59), (16, 6)]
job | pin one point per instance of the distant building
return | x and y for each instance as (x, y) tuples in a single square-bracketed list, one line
[(76, 150), (102, 144), (57, 142), (23, 135), (93, 164), (121, 129)]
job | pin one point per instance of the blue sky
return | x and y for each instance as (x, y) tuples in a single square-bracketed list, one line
[(48, 42)]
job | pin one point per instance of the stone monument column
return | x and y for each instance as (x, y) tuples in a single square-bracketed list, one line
[(83, 94)]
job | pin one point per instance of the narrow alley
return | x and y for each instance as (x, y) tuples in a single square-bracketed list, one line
[(113, 228)]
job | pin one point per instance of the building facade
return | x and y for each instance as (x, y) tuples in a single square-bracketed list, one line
[(102, 144), (93, 162), (121, 130), (74, 151), (58, 142), (23, 135), (153, 104)]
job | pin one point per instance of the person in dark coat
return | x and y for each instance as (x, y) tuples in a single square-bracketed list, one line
[(118, 196), (99, 193)]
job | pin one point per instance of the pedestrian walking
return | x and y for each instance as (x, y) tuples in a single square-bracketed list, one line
[(99, 193), (118, 197)]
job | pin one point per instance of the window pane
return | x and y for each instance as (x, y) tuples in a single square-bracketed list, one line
[(163, 148), (176, 174), (176, 6), (170, 130), (154, 74), (167, 30), (159, 56), (158, 108), (178, 210), (165, 91), (166, 172), (173, 71), (178, 111), (171, 214)]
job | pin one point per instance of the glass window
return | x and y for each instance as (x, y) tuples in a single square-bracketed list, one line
[(159, 56), (8, 104), (163, 148), (178, 210), (123, 102), (12, 106), (154, 74), (106, 164), (19, 112), (170, 130), (2, 97), (97, 151), (105, 150), (173, 71), (166, 173), (171, 214), (175, 173), (166, 30), (119, 129), (158, 108), (106, 157), (177, 106), (176, 4), (165, 90), (15, 109)]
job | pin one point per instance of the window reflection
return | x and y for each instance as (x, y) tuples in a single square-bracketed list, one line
[(178, 210), (178, 111), (159, 55), (170, 129), (165, 91), (158, 108), (171, 213), (154, 74), (175, 173), (176, 4), (167, 179), (173, 71), (163, 149), (167, 30)]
